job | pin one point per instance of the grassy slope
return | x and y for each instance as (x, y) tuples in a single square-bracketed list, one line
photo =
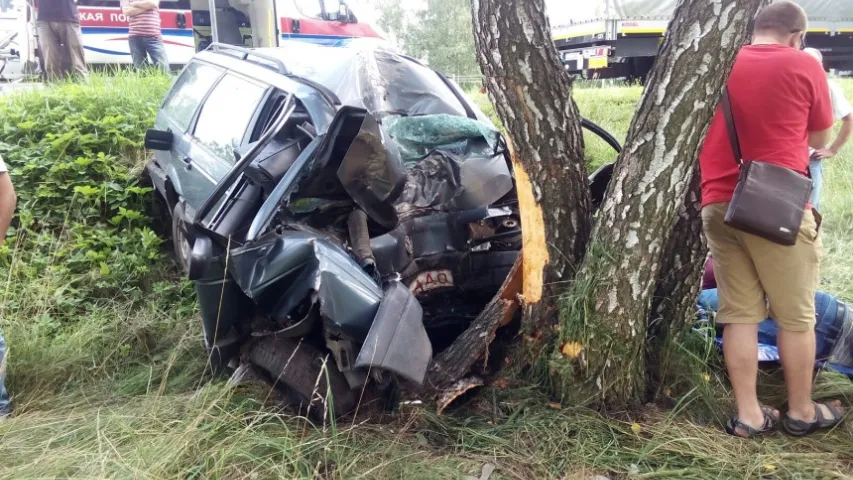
[(120, 392)]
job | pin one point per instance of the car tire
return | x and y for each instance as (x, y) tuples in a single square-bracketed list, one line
[(310, 380), (180, 241)]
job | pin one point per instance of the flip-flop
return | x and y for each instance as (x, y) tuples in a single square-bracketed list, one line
[(769, 425), (801, 428)]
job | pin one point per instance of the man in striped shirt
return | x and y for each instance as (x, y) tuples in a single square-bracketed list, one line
[(145, 37)]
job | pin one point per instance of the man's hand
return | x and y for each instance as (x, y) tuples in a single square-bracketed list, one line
[(145, 4), (135, 7), (824, 153), (7, 204)]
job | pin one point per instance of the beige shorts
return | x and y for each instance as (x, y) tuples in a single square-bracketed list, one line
[(755, 275)]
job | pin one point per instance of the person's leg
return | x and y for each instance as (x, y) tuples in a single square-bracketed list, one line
[(4, 395), (741, 308), (790, 278), (50, 50), (157, 51), (816, 171), (740, 351), (137, 51), (74, 49)]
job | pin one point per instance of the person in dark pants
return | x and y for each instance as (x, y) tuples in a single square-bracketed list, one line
[(146, 38), (60, 39)]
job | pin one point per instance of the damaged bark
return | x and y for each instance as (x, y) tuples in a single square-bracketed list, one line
[(532, 95), (611, 299)]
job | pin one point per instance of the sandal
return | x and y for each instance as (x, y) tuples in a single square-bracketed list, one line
[(801, 428), (769, 424)]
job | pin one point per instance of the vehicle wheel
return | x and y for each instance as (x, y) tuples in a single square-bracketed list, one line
[(180, 241), (298, 371)]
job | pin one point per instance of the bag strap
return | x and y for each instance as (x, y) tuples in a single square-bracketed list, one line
[(730, 123)]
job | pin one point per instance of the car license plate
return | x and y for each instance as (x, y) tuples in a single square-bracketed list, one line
[(431, 280)]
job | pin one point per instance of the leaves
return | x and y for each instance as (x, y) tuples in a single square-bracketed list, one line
[(81, 212), (571, 350), (440, 34)]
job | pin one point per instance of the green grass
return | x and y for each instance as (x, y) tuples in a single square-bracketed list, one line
[(116, 388)]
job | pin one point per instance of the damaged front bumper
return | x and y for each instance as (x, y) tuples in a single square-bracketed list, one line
[(281, 270)]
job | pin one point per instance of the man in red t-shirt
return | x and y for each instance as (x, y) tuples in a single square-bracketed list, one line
[(781, 105)]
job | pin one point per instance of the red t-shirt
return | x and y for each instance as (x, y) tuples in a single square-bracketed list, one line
[(778, 96)]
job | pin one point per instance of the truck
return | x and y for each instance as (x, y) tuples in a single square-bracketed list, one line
[(620, 38)]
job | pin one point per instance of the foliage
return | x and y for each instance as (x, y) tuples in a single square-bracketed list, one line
[(440, 34), (74, 152), (86, 294)]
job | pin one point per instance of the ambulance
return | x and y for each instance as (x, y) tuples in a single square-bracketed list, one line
[(189, 26)]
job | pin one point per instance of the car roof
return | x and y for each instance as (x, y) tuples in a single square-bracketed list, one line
[(361, 73)]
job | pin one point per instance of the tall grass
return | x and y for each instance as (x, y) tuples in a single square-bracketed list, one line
[(117, 389)]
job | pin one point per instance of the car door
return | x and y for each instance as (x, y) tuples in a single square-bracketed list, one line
[(221, 127), (176, 116)]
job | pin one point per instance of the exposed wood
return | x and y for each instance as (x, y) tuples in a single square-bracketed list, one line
[(532, 95), (453, 392), (611, 298), (455, 361)]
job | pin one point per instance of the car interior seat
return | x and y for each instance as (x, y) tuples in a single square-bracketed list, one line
[(227, 24)]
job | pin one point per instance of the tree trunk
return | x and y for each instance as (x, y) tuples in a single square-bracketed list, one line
[(677, 286), (604, 320), (532, 95)]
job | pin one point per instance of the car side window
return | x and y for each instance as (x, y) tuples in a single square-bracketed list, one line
[(188, 92), (226, 114)]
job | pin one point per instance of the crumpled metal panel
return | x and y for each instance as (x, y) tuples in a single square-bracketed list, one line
[(445, 182), (280, 270), (373, 173), (398, 341)]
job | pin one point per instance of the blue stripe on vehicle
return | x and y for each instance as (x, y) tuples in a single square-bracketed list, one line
[(328, 40), (173, 32), (104, 51)]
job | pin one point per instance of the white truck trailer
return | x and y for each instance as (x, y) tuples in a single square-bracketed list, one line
[(620, 38)]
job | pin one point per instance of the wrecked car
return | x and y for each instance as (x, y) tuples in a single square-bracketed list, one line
[(344, 212), (328, 202)]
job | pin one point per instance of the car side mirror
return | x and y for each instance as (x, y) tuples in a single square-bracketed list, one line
[(158, 140), (200, 257)]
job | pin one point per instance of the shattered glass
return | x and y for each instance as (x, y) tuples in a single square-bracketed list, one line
[(418, 136)]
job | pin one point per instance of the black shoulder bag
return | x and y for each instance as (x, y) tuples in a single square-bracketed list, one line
[(769, 200)]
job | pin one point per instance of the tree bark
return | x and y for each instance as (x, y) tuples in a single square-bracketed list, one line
[(677, 286), (532, 95), (604, 320)]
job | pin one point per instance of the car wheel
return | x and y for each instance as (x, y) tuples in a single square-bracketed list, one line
[(180, 240), (310, 380)]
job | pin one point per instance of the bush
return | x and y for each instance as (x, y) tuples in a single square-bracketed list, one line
[(74, 153), (89, 301)]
